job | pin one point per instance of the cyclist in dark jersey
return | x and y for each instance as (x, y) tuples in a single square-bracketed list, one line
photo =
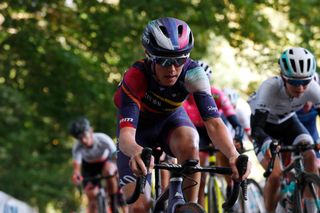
[(92, 155), (150, 112)]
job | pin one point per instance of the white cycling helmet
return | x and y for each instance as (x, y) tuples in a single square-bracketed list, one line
[(206, 68), (232, 94), (297, 63)]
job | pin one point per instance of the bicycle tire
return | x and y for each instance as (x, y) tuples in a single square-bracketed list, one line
[(102, 208), (311, 181), (255, 202), (190, 208), (215, 200)]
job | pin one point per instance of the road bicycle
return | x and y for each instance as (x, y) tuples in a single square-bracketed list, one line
[(216, 190), (303, 181), (174, 192), (102, 197)]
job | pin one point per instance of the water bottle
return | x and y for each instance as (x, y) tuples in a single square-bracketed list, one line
[(287, 191)]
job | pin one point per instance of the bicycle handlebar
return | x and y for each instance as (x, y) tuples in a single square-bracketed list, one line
[(191, 167), (241, 164), (276, 148), (141, 180)]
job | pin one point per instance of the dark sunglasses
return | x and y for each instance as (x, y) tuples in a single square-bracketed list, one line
[(167, 62), (298, 82)]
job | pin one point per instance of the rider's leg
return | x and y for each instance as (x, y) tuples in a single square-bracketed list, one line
[(184, 144), (112, 187), (144, 202), (91, 192), (271, 192)]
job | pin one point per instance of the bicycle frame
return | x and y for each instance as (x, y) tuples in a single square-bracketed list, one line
[(175, 192), (296, 164)]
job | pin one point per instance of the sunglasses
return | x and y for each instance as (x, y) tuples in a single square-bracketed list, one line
[(298, 82), (167, 62)]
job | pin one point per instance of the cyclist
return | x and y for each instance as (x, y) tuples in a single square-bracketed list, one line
[(150, 113), (242, 109), (92, 155), (273, 108), (227, 111)]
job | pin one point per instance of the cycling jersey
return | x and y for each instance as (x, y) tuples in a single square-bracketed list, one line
[(243, 113), (223, 104), (273, 98), (102, 148), (139, 92)]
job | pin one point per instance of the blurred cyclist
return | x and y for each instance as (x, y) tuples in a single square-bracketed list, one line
[(150, 112), (242, 109), (273, 108), (92, 155)]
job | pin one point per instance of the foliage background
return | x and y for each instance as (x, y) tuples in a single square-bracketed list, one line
[(62, 59)]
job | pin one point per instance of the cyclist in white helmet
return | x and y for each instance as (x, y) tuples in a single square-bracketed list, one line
[(242, 109), (273, 108)]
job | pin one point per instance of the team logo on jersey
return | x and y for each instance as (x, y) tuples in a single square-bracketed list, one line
[(126, 120), (212, 108)]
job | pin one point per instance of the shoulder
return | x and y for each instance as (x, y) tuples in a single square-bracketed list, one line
[(102, 136), (271, 84), (136, 72)]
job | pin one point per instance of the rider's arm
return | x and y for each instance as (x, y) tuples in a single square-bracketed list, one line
[(239, 131), (198, 84), (258, 123), (128, 100), (220, 136)]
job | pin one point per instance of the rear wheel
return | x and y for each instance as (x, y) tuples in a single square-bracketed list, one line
[(310, 184)]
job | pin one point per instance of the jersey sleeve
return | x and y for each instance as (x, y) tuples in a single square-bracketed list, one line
[(197, 83), (76, 153), (128, 97)]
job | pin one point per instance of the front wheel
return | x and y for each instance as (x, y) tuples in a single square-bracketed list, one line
[(215, 196), (307, 194), (190, 208), (255, 202), (102, 207)]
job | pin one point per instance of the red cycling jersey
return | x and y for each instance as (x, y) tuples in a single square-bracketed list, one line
[(223, 103)]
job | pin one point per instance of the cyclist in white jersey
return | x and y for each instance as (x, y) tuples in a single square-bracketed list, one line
[(242, 109), (92, 155), (273, 108)]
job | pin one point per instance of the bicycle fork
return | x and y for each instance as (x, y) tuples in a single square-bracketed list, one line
[(176, 197)]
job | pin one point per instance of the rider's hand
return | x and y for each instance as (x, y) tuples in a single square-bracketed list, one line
[(76, 178), (235, 174), (137, 166)]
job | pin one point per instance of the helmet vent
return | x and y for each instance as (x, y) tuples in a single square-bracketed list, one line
[(301, 65), (293, 65), (285, 63), (180, 30), (306, 51), (164, 30), (291, 52), (308, 64)]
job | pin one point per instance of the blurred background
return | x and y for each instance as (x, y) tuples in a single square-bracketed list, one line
[(60, 59)]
